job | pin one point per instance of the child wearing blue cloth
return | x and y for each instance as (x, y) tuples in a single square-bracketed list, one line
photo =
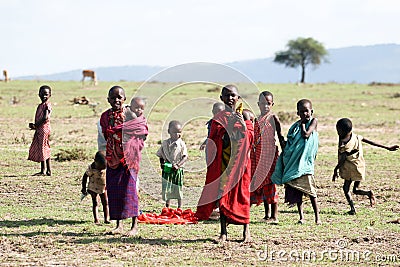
[(295, 166)]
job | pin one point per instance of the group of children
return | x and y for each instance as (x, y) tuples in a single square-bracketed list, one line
[(243, 161)]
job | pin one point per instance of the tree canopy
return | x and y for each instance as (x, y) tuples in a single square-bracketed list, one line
[(302, 52)]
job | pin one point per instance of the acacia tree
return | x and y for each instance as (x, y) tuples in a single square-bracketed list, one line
[(302, 52)]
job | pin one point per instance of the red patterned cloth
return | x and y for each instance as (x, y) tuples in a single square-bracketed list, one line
[(111, 125), (169, 216), (264, 156), (134, 133), (229, 188), (121, 180), (40, 148)]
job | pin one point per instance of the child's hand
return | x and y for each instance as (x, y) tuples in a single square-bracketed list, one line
[(175, 167), (393, 148), (84, 191), (304, 121), (335, 175), (239, 117)]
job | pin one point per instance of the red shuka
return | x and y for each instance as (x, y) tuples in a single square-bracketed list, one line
[(233, 195)]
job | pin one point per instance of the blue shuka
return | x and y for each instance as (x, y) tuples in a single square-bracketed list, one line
[(298, 156)]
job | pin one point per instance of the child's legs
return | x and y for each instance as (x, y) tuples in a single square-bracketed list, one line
[(179, 203), (48, 172), (167, 203), (222, 219), (300, 210), (274, 211), (134, 228), (104, 203), (315, 208), (246, 233), (266, 209), (295, 196), (357, 191), (134, 223), (42, 167), (369, 193), (94, 206), (346, 190)]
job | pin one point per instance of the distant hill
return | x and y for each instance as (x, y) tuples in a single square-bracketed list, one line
[(360, 64)]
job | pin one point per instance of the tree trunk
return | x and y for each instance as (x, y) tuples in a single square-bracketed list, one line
[(303, 73)]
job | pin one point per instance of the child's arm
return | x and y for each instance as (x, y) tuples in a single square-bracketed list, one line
[(84, 182), (203, 145), (45, 117), (342, 159), (180, 163), (278, 129), (162, 161), (34, 126), (390, 148), (305, 133)]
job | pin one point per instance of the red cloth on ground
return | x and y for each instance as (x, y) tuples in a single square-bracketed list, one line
[(234, 195), (169, 216)]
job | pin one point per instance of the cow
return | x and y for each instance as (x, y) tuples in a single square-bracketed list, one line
[(91, 74), (5, 74)]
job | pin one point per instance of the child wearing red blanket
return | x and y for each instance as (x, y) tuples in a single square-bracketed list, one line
[(264, 156), (229, 171), (122, 167)]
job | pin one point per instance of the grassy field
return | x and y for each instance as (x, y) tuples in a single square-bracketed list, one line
[(43, 222)]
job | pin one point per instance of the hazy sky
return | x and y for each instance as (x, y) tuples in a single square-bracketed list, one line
[(48, 36)]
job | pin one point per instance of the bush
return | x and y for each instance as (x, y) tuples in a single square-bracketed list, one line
[(72, 154), (287, 117)]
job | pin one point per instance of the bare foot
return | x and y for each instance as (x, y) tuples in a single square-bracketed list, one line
[(272, 221), (222, 239), (48, 173), (107, 222), (318, 222), (116, 231), (395, 221), (247, 238), (351, 212), (301, 221), (372, 199), (246, 234), (132, 232), (38, 174)]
